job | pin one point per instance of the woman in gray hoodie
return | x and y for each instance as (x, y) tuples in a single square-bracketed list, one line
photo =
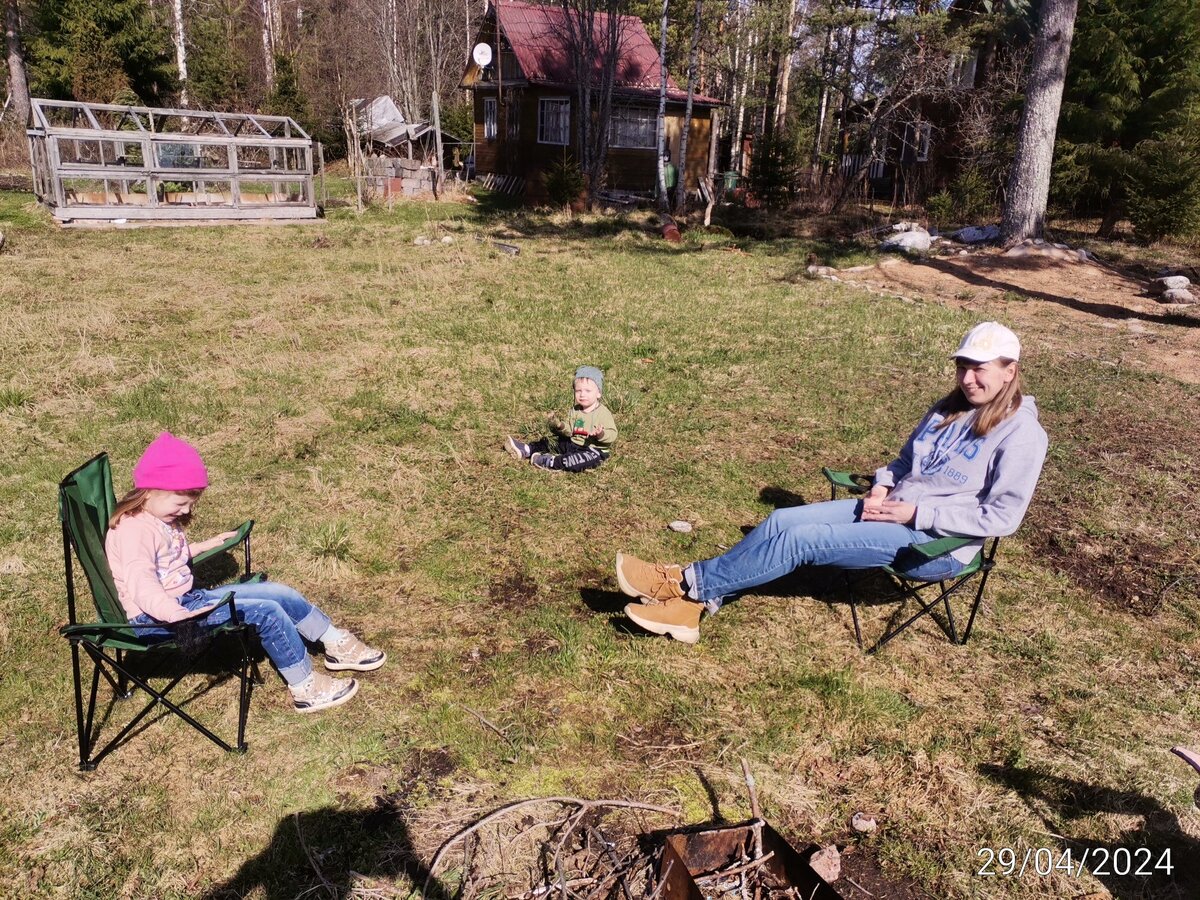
[(968, 470)]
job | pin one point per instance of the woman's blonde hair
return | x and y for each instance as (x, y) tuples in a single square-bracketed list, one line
[(131, 504), (955, 404)]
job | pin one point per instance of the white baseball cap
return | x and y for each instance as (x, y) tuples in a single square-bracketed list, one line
[(988, 341)]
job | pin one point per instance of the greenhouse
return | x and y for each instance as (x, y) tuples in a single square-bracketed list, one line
[(97, 161)]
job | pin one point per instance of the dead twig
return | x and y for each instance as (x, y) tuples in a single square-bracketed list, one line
[(736, 870), (489, 724), (612, 857), (312, 862)]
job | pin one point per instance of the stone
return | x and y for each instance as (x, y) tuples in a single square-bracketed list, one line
[(976, 234), (821, 271), (1170, 283), (447, 239), (908, 242), (862, 823), (827, 863), (421, 241), (1178, 295), (681, 526), (907, 226)]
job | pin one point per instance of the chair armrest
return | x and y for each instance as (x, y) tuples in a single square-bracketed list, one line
[(941, 546), (849, 481), (242, 534), (97, 627)]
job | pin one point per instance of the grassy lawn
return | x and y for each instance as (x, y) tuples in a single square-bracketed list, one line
[(351, 392)]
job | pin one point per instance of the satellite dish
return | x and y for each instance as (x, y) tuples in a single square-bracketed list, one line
[(482, 54)]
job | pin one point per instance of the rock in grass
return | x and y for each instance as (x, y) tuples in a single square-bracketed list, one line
[(1178, 295), (681, 526), (1170, 283), (862, 823), (827, 863), (422, 241), (908, 242), (447, 239)]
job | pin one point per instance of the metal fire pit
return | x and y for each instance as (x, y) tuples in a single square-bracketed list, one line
[(689, 856)]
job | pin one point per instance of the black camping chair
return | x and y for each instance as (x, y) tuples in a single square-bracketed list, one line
[(975, 574), (85, 503)]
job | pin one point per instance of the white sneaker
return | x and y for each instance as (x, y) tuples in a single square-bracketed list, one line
[(319, 691)]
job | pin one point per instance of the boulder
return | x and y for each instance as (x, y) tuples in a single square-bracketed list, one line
[(821, 271), (976, 234), (907, 226), (908, 242), (1170, 283), (1178, 295)]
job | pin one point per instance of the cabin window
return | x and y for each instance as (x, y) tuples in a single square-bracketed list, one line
[(512, 120), (489, 119), (635, 127), (916, 142), (962, 70), (554, 121)]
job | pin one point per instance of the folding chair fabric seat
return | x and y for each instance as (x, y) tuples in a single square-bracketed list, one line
[(86, 502), (910, 587)]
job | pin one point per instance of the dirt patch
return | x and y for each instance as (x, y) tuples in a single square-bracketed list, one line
[(1090, 293), (863, 878), (658, 740), (514, 589)]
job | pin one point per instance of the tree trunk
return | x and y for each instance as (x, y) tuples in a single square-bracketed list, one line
[(180, 36), (1029, 178), (681, 184), (268, 42), (662, 110), (18, 84)]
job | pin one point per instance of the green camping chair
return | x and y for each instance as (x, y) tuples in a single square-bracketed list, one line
[(85, 503), (975, 574)]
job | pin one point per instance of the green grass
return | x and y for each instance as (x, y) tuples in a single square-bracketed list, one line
[(351, 392)]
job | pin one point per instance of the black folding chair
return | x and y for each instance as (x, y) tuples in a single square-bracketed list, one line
[(975, 574), (85, 503)]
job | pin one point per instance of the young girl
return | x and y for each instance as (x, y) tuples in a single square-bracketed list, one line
[(150, 557), (968, 470)]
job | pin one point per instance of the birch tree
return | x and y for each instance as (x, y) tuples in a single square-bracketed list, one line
[(662, 110), (693, 54), (18, 83), (180, 37)]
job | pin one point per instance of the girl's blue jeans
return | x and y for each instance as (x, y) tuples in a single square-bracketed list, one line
[(817, 534), (280, 613)]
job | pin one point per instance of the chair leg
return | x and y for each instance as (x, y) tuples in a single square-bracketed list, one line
[(85, 734), (978, 602), (247, 685), (949, 612)]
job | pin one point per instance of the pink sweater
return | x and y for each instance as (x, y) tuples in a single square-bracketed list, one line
[(149, 563)]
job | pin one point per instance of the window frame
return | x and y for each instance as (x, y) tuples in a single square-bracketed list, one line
[(541, 127), (614, 136), (490, 113)]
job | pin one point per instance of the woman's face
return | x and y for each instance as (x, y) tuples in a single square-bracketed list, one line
[(981, 382)]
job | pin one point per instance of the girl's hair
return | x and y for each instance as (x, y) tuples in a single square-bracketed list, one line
[(132, 503), (955, 404)]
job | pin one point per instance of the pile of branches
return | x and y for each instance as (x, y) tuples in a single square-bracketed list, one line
[(566, 852)]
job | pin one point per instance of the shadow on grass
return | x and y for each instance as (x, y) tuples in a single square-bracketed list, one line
[(1158, 838), (331, 852)]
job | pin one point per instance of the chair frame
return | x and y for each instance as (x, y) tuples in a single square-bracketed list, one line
[(109, 643), (913, 588)]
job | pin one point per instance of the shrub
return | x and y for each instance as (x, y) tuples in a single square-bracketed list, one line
[(972, 195), (774, 170), (1163, 185), (940, 208), (564, 181)]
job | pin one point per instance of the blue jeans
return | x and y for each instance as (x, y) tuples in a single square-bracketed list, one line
[(280, 613), (817, 534)]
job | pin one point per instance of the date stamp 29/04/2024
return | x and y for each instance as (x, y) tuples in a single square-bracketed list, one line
[(1041, 862)]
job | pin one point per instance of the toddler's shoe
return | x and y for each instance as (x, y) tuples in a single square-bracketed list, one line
[(351, 653), (318, 691), (678, 618), (649, 581), (542, 460), (517, 449)]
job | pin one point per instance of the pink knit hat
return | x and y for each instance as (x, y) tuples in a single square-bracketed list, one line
[(170, 464)]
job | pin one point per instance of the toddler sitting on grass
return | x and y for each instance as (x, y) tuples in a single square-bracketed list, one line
[(584, 440)]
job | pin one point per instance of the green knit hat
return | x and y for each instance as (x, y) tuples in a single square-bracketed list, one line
[(593, 373)]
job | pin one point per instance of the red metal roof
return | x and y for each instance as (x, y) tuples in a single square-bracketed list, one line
[(539, 37)]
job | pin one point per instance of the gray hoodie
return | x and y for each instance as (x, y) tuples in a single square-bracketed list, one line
[(968, 486)]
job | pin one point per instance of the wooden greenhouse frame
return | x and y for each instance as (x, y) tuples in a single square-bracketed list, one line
[(99, 161)]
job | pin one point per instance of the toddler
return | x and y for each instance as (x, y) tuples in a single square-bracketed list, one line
[(149, 555), (585, 440)]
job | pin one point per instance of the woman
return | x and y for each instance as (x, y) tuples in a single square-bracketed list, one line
[(968, 470)]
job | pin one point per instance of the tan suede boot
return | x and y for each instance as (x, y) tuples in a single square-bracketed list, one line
[(653, 581), (679, 618)]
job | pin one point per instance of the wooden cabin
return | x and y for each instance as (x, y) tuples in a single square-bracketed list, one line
[(526, 102)]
